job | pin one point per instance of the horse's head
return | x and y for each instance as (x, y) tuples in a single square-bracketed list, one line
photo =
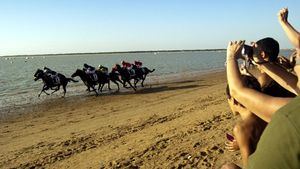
[(78, 72), (38, 74)]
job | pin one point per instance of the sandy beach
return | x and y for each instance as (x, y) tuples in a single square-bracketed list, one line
[(169, 125)]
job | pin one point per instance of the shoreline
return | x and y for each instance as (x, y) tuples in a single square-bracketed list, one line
[(6, 111), (167, 125)]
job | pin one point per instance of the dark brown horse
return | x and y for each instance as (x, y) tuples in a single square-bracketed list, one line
[(141, 74), (87, 80), (50, 83), (125, 76), (106, 78), (102, 79)]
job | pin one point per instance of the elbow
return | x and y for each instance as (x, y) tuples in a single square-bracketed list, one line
[(235, 90), (267, 119), (297, 41)]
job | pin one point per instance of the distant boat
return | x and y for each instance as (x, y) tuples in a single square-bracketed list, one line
[(26, 58)]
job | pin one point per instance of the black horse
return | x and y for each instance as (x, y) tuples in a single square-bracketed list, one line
[(106, 78), (125, 76), (50, 83), (141, 74), (87, 80)]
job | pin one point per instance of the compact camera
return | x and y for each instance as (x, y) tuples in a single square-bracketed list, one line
[(247, 52)]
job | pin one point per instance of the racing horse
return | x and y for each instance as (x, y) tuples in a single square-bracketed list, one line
[(51, 83), (141, 74)]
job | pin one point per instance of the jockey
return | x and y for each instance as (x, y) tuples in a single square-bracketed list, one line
[(52, 74), (103, 69), (91, 71), (138, 64), (128, 66), (114, 69), (48, 71)]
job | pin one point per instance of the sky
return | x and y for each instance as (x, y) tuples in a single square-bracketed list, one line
[(78, 26)]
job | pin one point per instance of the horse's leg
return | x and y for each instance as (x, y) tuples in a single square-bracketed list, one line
[(55, 90), (43, 90), (65, 89), (135, 82), (131, 85), (108, 84), (119, 81), (116, 84), (101, 87), (124, 84), (95, 90), (143, 81), (88, 86), (46, 92)]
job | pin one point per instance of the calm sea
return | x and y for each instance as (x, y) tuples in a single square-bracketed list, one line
[(18, 87)]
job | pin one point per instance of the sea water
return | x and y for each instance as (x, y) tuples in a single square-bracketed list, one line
[(17, 86)]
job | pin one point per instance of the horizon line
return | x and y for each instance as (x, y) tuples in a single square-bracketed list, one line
[(116, 52)]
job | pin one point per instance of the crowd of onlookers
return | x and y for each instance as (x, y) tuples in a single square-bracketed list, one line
[(263, 90)]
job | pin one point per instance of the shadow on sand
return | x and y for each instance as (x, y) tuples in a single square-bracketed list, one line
[(165, 88)]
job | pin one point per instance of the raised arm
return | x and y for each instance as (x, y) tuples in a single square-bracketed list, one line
[(291, 32), (251, 99), (281, 76)]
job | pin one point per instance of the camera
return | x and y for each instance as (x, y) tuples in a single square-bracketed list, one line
[(247, 52)]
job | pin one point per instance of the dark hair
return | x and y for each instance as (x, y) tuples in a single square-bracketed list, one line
[(250, 82), (270, 46)]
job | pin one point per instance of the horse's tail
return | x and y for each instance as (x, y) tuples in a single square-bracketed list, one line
[(148, 70), (151, 70), (70, 79)]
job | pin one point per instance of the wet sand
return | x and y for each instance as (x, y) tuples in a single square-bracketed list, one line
[(170, 125)]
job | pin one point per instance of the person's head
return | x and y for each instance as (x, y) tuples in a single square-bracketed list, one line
[(85, 65), (250, 82), (267, 48)]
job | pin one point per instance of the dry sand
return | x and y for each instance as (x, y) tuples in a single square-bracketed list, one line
[(171, 125)]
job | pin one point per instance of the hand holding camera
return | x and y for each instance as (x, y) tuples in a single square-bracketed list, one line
[(248, 55), (234, 50)]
